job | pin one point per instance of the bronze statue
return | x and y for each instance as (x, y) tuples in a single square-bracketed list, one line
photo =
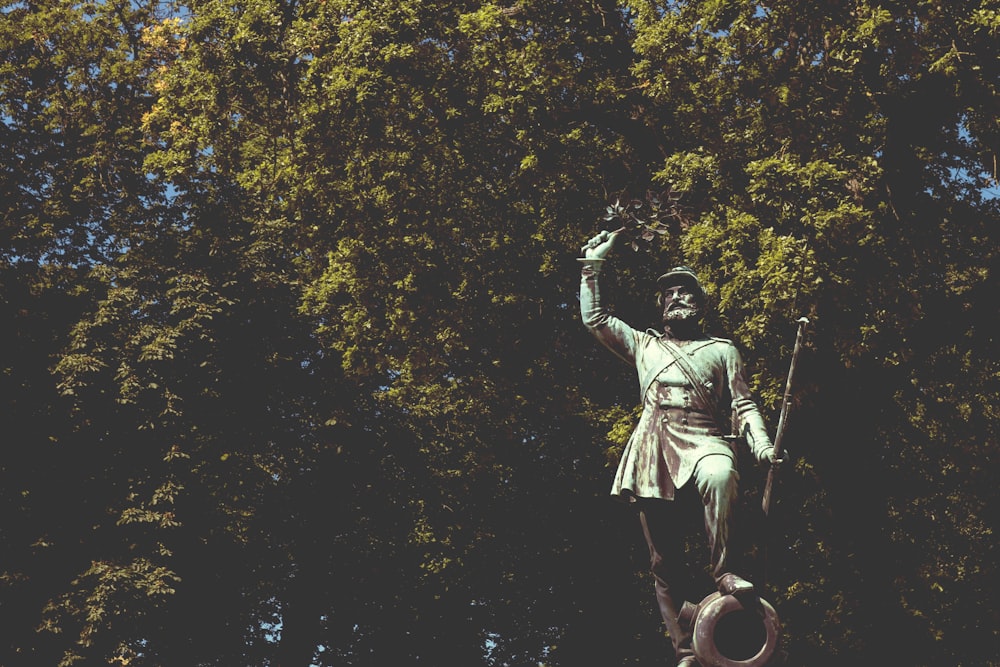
[(693, 392)]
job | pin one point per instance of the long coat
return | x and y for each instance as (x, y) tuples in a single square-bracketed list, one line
[(676, 428)]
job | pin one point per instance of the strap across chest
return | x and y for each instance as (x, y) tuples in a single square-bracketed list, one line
[(677, 356)]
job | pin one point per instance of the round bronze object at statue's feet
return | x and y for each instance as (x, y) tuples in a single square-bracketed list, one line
[(731, 632)]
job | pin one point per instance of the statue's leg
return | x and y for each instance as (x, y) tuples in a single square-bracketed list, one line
[(716, 479), (668, 565)]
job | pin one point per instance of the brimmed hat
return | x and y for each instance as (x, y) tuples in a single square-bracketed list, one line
[(681, 275)]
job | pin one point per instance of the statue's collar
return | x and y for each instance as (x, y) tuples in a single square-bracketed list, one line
[(689, 346), (681, 342)]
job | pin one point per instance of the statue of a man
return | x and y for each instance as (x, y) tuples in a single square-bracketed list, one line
[(693, 393)]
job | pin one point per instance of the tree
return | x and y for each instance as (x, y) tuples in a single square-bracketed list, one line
[(294, 326)]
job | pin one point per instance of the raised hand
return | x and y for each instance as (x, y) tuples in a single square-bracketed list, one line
[(599, 246)]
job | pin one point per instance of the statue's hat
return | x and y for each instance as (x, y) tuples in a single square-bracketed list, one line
[(681, 275)]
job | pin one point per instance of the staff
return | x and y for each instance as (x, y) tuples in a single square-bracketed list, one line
[(783, 418)]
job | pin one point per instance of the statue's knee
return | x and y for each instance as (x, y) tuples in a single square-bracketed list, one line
[(717, 475)]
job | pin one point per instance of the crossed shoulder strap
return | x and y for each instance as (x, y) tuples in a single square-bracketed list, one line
[(697, 383)]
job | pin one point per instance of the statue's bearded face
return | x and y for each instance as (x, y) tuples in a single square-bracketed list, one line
[(680, 304)]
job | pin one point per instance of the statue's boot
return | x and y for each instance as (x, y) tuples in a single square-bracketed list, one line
[(731, 584)]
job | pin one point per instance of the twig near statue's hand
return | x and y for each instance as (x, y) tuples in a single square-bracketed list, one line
[(641, 221)]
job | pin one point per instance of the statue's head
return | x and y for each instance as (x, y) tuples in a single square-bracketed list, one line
[(680, 296)]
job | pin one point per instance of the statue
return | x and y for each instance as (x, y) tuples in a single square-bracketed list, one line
[(693, 390)]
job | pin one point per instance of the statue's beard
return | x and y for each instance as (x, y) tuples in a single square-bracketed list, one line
[(684, 314)]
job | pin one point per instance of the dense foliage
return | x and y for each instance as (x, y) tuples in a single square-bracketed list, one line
[(292, 370)]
